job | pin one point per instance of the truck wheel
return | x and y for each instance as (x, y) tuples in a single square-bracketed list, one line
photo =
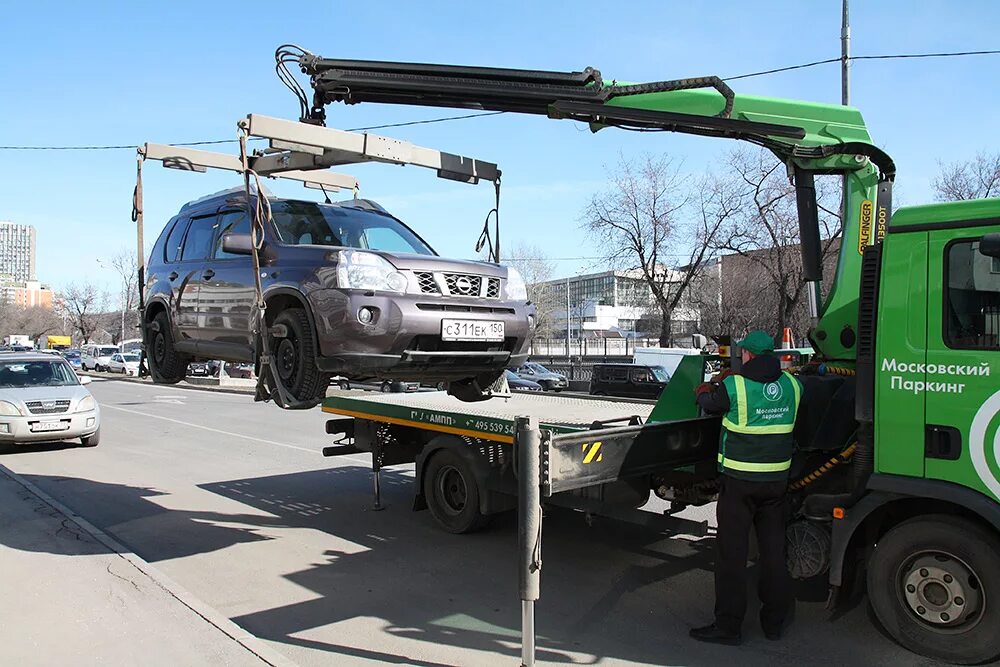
[(934, 584), (92, 440), (166, 364), (295, 356), (452, 493)]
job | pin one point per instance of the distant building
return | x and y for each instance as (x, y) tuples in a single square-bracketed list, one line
[(613, 304), (25, 294), (17, 252)]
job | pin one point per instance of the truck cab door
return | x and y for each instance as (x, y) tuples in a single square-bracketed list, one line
[(963, 360)]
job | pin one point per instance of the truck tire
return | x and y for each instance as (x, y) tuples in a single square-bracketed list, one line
[(452, 493), (934, 585), (92, 440), (166, 364), (295, 356)]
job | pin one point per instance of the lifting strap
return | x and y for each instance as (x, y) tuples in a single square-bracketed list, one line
[(260, 214)]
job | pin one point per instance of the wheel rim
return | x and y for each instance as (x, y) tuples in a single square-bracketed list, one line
[(452, 490), (159, 349), (941, 591), (287, 358)]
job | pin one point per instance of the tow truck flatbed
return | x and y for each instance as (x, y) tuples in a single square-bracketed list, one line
[(492, 420)]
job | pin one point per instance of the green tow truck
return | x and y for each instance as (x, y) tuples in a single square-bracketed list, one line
[(896, 478)]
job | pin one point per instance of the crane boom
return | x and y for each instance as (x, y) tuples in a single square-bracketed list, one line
[(810, 138)]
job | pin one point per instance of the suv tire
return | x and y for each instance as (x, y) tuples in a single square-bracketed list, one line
[(295, 357), (166, 364)]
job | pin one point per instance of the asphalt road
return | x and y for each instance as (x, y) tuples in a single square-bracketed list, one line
[(234, 501)]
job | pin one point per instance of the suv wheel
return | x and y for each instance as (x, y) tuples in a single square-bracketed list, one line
[(166, 364), (295, 357)]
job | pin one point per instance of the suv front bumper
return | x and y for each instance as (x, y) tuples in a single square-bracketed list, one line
[(403, 342)]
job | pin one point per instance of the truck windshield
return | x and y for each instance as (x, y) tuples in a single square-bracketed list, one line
[(309, 223), (19, 374)]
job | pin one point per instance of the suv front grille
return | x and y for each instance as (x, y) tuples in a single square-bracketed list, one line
[(458, 284), (425, 279), (47, 407)]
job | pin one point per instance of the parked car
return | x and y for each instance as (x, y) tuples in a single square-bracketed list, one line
[(199, 369), (96, 357), (125, 363), (43, 400), (629, 380), (242, 371), (398, 387), (350, 290), (73, 357), (515, 381), (549, 380)]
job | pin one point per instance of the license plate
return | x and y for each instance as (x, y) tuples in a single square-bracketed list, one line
[(472, 330), (38, 427)]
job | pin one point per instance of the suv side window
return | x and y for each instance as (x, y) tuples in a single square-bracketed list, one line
[(231, 222), (619, 375), (172, 247), (972, 298), (640, 375), (201, 234)]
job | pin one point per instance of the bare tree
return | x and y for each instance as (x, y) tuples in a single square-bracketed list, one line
[(655, 222), (33, 321), (84, 304), (537, 269), (978, 178), (762, 278)]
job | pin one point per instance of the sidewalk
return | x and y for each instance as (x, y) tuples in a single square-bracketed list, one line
[(70, 599)]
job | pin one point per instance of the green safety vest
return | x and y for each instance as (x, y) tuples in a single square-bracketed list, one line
[(756, 441)]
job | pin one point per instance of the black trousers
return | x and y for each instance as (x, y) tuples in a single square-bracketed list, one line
[(743, 504)]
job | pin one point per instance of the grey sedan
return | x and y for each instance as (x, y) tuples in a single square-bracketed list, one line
[(43, 400)]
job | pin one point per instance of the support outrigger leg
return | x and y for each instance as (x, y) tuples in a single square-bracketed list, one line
[(529, 529), (378, 453)]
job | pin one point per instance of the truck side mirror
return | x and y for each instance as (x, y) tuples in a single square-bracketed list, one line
[(989, 245), (237, 244)]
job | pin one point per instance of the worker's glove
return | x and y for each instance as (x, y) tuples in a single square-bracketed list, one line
[(722, 375), (703, 387)]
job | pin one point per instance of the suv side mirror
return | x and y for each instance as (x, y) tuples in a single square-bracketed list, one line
[(237, 244), (989, 245)]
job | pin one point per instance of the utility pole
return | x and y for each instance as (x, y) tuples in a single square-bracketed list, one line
[(567, 318), (845, 56)]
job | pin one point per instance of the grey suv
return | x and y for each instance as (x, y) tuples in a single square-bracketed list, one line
[(350, 290)]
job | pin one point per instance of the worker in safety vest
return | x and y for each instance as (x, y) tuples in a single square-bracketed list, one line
[(758, 406)]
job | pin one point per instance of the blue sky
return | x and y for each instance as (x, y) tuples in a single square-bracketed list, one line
[(125, 73)]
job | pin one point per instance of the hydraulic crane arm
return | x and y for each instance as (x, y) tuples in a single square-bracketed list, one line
[(810, 138)]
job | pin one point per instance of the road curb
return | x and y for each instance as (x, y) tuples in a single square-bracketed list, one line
[(222, 623)]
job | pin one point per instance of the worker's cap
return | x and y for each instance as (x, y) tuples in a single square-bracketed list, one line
[(757, 342)]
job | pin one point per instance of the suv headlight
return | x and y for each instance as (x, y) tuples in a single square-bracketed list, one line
[(516, 290), (86, 405), (368, 271), (8, 409)]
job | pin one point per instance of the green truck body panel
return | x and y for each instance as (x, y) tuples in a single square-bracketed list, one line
[(929, 388)]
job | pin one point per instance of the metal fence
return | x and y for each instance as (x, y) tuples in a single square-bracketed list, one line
[(590, 347)]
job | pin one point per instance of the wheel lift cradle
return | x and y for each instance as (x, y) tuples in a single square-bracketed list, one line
[(556, 448)]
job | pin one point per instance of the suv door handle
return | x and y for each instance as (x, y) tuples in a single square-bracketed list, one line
[(172, 276), (208, 275)]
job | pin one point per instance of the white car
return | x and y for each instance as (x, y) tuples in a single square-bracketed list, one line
[(125, 363), (96, 357), (43, 400)]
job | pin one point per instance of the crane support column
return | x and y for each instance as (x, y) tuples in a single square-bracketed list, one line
[(528, 452)]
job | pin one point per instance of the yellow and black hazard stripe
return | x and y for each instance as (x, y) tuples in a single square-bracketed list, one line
[(592, 452)]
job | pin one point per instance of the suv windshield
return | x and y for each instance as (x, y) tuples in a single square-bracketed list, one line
[(36, 374), (660, 373), (310, 223)]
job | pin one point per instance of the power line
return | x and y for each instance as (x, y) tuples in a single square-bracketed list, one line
[(444, 119)]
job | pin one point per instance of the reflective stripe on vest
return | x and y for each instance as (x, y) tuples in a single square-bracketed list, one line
[(741, 410), (746, 466)]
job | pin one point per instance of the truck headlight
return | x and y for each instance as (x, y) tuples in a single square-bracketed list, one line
[(368, 271), (86, 405), (516, 290), (8, 409)]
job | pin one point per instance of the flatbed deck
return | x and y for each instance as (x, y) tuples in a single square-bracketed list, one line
[(488, 420)]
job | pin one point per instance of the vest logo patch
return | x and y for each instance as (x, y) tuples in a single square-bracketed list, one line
[(772, 391)]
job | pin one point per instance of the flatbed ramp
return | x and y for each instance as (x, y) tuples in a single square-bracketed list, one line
[(489, 420)]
